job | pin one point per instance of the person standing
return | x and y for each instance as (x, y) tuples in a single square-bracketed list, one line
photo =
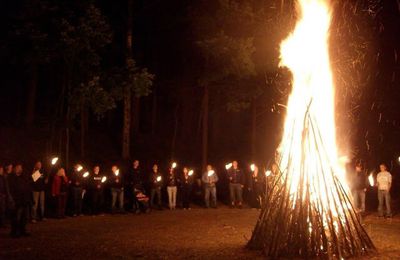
[(134, 179), (186, 187), (155, 187), (256, 187), (4, 196), (359, 184), (59, 190), (384, 182), (39, 182), (77, 190), (171, 189), (209, 179), (236, 183), (97, 190), (117, 190), (20, 191)]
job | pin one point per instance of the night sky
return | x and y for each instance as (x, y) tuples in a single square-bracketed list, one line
[(50, 49)]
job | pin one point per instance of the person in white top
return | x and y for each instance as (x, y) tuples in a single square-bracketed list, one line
[(384, 182)]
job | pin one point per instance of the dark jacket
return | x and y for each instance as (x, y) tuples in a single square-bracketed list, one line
[(3, 185), (154, 184), (134, 178), (359, 181), (77, 179), (39, 184), (117, 182), (20, 190), (235, 176), (186, 181), (172, 181), (95, 182)]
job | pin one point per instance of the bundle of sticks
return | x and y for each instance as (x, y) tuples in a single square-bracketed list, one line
[(307, 211)]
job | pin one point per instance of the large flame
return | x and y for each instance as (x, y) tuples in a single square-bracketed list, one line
[(309, 139)]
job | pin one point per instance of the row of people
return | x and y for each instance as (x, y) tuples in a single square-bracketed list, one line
[(26, 193)]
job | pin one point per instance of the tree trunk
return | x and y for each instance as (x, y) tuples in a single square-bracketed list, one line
[(135, 115), (154, 113), (204, 154), (126, 129), (253, 129), (31, 102), (175, 132), (84, 127)]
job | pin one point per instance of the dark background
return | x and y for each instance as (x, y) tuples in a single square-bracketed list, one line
[(170, 39)]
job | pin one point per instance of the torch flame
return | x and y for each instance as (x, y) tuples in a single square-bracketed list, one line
[(228, 166), (190, 173), (116, 172), (158, 178), (174, 164), (79, 168), (104, 179), (210, 173), (267, 173), (371, 180), (86, 174), (252, 167), (54, 160)]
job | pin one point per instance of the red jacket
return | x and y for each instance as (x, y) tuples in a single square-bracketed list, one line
[(60, 185)]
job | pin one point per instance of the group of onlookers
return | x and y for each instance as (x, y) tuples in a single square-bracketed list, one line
[(35, 194), (359, 182), (27, 195)]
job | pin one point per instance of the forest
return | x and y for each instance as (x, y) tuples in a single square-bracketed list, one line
[(192, 81)]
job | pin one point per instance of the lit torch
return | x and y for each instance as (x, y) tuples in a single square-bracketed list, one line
[(228, 166), (174, 164), (371, 180), (252, 167), (210, 173), (54, 160), (79, 168), (267, 173), (116, 172), (85, 175), (104, 179), (190, 173), (158, 178)]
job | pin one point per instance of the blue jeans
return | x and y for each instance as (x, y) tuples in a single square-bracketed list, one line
[(384, 197), (77, 200), (117, 193), (210, 190), (38, 198), (235, 192), (359, 200)]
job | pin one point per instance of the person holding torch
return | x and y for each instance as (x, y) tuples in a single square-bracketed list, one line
[(172, 189), (236, 183), (77, 180), (186, 186), (117, 190), (156, 182), (97, 190), (256, 186), (359, 184), (209, 179)]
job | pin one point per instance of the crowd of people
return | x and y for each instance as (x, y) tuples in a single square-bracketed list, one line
[(33, 195)]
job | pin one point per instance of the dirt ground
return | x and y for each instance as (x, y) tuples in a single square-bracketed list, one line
[(196, 234)]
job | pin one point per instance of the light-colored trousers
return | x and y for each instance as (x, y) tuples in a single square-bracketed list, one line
[(172, 196), (38, 198)]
